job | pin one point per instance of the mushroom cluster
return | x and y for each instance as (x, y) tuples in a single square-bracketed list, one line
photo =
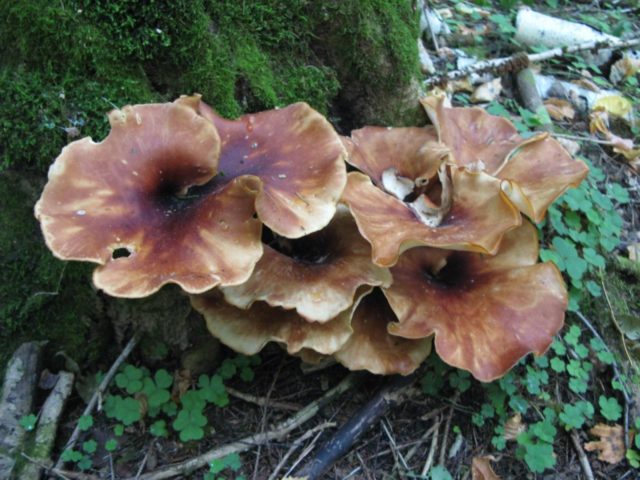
[(423, 242)]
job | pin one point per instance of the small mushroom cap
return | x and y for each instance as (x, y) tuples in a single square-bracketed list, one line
[(537, 173), (298, 157), (412, 151), (126, 194), (536, 170), (371, 348), (486, 311), (479, 217), (318, 290), (248, 331)]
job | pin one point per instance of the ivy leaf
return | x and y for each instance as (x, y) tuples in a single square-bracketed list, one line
[(610, 408)]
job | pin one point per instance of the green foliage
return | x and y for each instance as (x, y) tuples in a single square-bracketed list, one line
[(610, 408), (130, 379), (126, 410), (28, 422), (439, 472), (230, 462), (85, 422), (111, 445)]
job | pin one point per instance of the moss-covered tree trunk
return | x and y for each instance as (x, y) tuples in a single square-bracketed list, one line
[(63, 65)]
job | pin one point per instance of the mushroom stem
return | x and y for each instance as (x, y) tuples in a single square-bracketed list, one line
[(429, 214)]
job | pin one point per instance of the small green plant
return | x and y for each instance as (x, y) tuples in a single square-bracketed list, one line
[(230, 462), (28, 422)]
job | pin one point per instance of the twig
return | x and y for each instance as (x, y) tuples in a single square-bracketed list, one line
[(524, 60), (347, 435), (584, 461), (303, 454), (144, 461), (583, 139), (262, 401), (447, 426), (308, 434), (422, 439), (394, 447), (280, 431), (425, 9), (99, 391), (432, 451)]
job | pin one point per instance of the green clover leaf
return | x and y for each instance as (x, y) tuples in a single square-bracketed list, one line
[(574, 416), (28, 422), (130, 379), (213, 390), (111, 445), (159, 429), (90, 446), (610, 408), (189, 423)]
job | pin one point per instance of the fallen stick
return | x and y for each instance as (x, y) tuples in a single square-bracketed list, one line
[(522, 60), (280, 431), (342, 440), (99, 391), (48, 426), (584, 461)]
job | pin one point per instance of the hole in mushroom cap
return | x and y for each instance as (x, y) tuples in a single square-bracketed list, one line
[(121, 252), (316, 248)]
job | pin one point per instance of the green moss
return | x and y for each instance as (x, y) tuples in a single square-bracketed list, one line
[(42, 297)]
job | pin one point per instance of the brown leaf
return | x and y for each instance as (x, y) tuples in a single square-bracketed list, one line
[(514, 427), (487, 92), (559, 109), (588, 84), (624, 68), (610, 447), (481, 468)]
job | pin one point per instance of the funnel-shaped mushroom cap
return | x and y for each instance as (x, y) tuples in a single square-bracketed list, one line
[(536, 171), (298, 157), (122, 203), (486, 311), (248, 331), (479, 216), (317, 275), (371, 348)]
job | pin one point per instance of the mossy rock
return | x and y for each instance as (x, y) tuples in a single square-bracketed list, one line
[(42, 298)]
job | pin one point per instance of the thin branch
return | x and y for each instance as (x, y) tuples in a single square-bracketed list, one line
[(584, 461), (98, 393), (308, 434), (432, 451), (523, 60), (280, 431), (348, 434), (262, 401)]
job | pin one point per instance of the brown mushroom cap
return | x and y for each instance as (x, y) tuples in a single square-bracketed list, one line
[(298, 157), (536, 170), (486, 311), (371, 348), (322, 281), (248, 331), (126, 195), (479, 217)]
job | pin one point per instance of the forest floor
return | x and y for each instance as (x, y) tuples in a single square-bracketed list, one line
[(539, 421)]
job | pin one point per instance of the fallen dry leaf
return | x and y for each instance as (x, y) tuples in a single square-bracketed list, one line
[(615, 105), (623, 69), (514, 427), (559, 109), (481, 468), (570, 146), (588, 84), (599, 122), (633, 250), (610, 447), (487, 92)]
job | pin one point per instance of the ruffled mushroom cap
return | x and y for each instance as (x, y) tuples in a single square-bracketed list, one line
[(371, 348), (298, 157), (486, 311), (409, 197), (535, 171), (248, 331), (317, 275), (123, 203), (477, 220)]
